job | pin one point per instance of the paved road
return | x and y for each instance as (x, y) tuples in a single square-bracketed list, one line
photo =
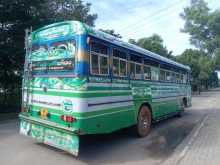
[(116, 148)]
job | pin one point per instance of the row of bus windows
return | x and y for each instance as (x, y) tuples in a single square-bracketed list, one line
[(136, 68)]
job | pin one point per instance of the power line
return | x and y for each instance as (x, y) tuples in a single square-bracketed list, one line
[(150, 24), (146, 27), (155, 21), (128, 7), (151, 16)]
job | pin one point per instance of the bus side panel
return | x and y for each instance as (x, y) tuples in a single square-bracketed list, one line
[(169, 98), (110, 106), (142, 93)]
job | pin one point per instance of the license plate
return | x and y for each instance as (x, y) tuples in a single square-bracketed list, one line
[(50, 136)]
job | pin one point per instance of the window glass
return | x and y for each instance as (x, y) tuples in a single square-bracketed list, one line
[(103, 65), (115, 66), (132, 70), (147, 73), (173, 77), (99, 48), (154, 73), (150, 63), (99, 59), (123, 68), (95, 64), (162, 75), (185, 78), (119, 63), (138, 71), (118, 53), (168, 76), (135, 58), (177, 78)]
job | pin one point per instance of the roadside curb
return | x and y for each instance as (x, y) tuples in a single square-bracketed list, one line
[(182, 149)]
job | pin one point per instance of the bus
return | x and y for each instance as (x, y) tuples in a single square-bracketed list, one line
[(79, 80)]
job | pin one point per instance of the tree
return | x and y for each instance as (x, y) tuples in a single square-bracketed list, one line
[(153, 43), (202, 67), (16, 16), (61, 10), (203, 26), (217, 60), (112, 32)]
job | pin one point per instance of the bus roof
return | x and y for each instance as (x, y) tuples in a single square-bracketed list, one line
[(81, 28)]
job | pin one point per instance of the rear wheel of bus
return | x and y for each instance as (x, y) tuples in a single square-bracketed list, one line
[(143, 125), (183, 104)]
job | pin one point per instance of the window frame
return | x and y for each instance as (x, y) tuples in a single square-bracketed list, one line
[(119, 69), (135, 63), (99, 55), (144, 65)]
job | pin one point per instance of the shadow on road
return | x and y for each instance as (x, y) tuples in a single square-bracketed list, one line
[(121, 146)]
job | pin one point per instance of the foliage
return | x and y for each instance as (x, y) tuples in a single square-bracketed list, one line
[(15, 17), (202, 67), (112, 32), (203, 26), (154, 44), (217, 59)]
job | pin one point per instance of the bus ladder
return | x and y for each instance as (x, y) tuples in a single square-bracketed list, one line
[(27, 71)]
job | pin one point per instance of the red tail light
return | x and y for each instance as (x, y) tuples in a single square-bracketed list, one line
[(68, 119)]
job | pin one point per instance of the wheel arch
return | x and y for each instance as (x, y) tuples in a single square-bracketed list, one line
[(184, 99), (149, 106)]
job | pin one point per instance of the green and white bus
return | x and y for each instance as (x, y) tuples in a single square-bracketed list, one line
[(78, 81)]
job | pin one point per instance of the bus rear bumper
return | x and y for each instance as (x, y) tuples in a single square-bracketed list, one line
[(63, 139)]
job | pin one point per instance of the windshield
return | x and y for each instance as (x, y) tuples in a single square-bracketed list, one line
[(53, 56)]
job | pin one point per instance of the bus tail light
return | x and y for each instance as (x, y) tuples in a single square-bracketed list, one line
[(68, 119)]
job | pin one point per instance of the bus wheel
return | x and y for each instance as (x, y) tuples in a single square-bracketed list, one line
[(180, 113), (144, 122)]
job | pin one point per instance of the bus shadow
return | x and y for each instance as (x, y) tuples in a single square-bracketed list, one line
[(122, 147)]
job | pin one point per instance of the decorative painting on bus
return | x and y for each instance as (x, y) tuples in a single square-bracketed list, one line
[(55, 51)]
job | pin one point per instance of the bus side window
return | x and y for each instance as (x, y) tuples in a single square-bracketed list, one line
[(132, 70), (147, 72), (168, 76), (154, 73), (162, 75), (173, 77), (135, 67), (184, 78), (122, 67), (103, 65), (177, 78), (115, 66), (119, 63), (99, 60), (95, 64), (138, 74)]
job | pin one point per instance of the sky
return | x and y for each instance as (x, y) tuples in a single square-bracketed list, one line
[(142, 18)]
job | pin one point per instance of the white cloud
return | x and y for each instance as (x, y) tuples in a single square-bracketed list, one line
[(141, 18)]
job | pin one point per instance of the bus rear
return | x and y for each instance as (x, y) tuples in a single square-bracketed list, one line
[(54, 79)]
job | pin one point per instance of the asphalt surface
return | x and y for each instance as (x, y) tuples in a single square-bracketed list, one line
[(116, 148)]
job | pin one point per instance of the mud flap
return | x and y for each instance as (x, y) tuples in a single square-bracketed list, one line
[(51, 136)]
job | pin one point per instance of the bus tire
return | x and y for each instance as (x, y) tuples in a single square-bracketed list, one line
[(144, 119), (180, 113)]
